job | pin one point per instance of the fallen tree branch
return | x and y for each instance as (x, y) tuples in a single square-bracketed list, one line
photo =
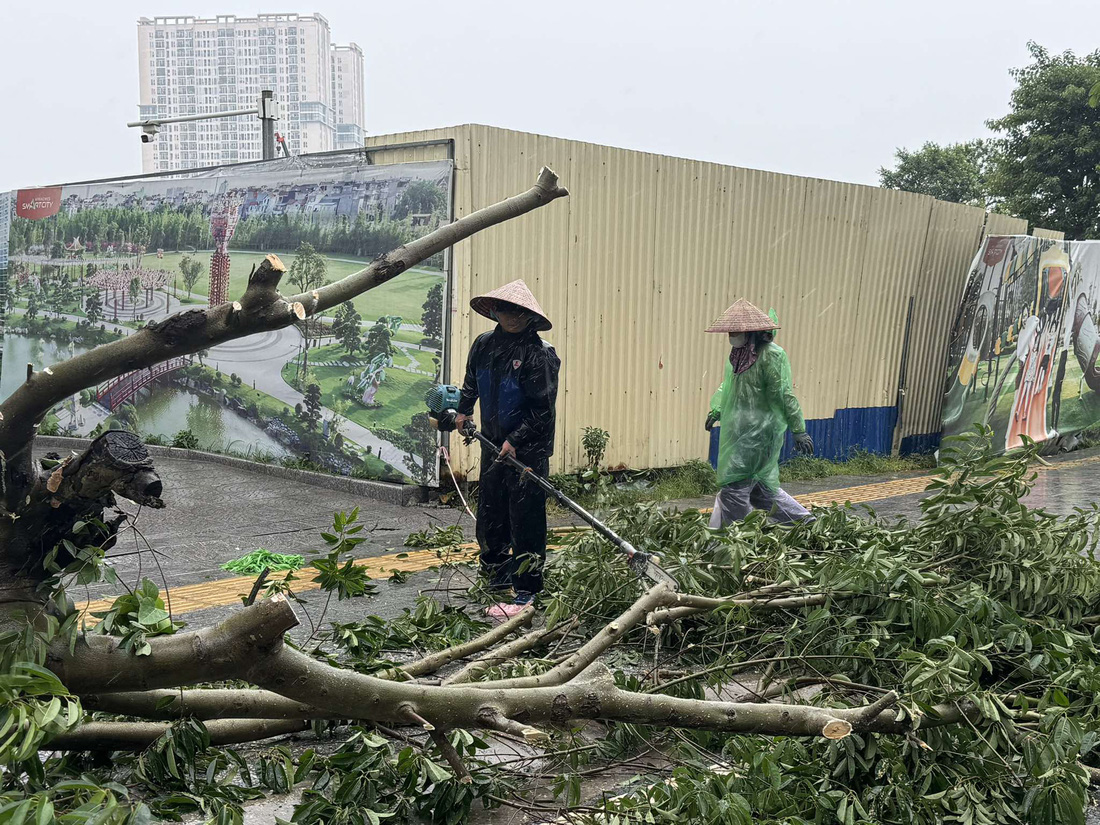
[(133, 736), (798, 682), (204, 704), (226, 703), (434, 661), (868, 713), (295, 675), (658, 595), (657, 605), (701, 604), (504, 653), (98, 664), (451, 755), (242, 648)]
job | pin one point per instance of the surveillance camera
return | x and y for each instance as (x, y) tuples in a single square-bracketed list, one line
[(146, 138), (148, 132)]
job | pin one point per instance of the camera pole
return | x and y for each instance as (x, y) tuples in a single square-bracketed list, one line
[(267, 110)]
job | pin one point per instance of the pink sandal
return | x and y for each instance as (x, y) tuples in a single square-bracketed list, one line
[(505, 610)]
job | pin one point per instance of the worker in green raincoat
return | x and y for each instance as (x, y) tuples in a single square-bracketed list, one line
[(756, 406)]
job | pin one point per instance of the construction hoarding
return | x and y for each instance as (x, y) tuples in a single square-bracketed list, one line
[(1024, 346), (648, 249), (90, 263)]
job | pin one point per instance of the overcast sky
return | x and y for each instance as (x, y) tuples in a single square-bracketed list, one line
[(810, 87)]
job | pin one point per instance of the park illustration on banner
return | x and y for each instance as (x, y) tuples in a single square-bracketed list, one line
[(1023, 352), (342, 391)]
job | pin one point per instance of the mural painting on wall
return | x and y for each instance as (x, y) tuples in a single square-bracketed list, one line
[(91, 263), (1023, 351)]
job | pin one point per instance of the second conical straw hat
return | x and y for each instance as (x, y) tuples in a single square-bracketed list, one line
[(742, 317)]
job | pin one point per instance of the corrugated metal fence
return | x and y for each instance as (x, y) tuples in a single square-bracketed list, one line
[(1049, 234), (648, 249)]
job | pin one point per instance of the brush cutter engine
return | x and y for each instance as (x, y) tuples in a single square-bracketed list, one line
[(442, 401)]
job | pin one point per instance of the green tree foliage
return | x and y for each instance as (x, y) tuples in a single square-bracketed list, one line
[(126, 417), (308, 270), (32, 305), (420, 197), (379, 341), (1049, 152), (67, 288), (93, 307), (424, 441), (346, 327), (362, 237), (956, 172), (312, 412), (594, 440), (185, 440), (134, 290), (188, 228), (165, 227), (191, 270), (54, 295), (432, 318)]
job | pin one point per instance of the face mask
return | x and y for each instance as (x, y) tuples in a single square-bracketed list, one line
[(738, 339)]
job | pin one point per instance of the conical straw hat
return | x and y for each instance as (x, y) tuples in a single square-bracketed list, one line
[(516, 293), (742, 317)]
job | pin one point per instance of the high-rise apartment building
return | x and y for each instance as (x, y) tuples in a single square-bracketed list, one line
[(347, 95), (192, 65)]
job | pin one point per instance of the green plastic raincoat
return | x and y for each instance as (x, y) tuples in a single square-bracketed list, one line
[(756, 408)]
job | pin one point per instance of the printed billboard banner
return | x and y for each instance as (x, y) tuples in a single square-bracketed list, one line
[(5, 223), (90, 263), (1024, 347), (36, 204)]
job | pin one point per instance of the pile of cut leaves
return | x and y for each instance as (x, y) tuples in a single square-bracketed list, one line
[(261, 559)]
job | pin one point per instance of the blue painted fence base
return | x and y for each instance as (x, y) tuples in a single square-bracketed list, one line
[(870, 429), (920, 444)]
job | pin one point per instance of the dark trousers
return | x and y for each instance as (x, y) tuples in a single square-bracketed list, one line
[(511, 524)]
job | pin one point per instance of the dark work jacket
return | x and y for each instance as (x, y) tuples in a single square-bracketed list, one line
[(516, 379)]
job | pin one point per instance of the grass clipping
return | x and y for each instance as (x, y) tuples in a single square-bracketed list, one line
[(260, 559)]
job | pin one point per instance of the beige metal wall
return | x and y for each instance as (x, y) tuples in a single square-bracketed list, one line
[(953, 234), (1050, 234), (648, 249), (998, 224)]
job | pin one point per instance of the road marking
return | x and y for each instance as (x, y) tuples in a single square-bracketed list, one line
[(222, 592)]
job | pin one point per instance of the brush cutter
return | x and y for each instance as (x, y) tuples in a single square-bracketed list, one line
[(442, 401)]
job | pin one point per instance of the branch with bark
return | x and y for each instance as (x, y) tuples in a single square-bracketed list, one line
[(294, 686)]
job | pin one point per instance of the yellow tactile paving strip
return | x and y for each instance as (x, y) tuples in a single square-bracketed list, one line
[(866, 492), (221, 592), (189, 597)]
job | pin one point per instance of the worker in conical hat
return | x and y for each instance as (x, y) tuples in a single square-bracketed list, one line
[(756, 406), (513, 374)]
